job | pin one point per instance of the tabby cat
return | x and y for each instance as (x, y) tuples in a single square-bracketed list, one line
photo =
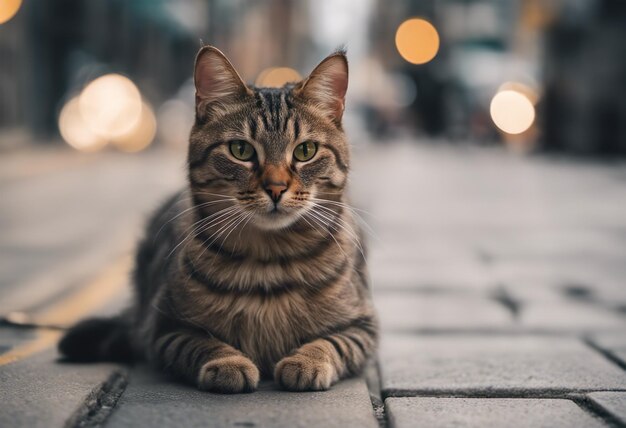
[(255, 268)]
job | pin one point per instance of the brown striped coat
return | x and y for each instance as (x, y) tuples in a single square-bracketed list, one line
[(257, 267)]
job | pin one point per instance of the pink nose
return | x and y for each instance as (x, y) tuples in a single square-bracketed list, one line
[(275, 190)]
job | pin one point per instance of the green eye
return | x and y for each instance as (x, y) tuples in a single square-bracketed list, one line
[(241, 150), (305, 151)]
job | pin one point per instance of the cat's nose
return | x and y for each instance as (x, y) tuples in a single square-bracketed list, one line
[(275, 190)]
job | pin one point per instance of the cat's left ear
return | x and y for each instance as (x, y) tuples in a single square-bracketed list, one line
[(217, 82), (326, 86)]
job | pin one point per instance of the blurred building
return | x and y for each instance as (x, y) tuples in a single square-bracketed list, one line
[(54, 47), (584, 108), (567, 57)]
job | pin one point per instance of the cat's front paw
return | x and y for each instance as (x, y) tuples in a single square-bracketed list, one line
[(229, 375), (302, 373)]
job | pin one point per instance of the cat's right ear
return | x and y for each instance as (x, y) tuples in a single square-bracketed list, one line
[(217, 82)]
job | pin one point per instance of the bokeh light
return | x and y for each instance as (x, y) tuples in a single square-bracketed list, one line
[(529, 91), (512, 111), (75, 131), (141, 135), (8, 9), (276, 77), (111, 105), (109, 110), (417, 41)]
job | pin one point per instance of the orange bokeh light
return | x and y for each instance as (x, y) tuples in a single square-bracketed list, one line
[(276, 77), (8, 9), (417, 41)]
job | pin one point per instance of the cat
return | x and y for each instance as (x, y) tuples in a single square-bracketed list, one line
[(256, 268)]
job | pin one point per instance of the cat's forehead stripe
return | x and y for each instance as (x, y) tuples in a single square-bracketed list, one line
[(274, 107)]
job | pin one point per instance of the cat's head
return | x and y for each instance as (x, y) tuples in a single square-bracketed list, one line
[(269, 152)]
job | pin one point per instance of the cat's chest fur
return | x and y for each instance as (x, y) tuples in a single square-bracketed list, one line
[(265, 328), (267, 309)]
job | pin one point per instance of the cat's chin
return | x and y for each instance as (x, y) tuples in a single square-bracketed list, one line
[(274, 220)]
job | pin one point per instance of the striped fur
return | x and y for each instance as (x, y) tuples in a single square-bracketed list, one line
[(231, 286)]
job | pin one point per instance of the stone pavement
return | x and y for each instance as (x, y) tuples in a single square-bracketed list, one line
[(499, 281)]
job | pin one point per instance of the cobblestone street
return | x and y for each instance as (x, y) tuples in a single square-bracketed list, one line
[(499, 280)]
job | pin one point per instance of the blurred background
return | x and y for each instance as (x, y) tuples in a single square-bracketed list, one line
[(491, 133), (488, 169), (530, 74)]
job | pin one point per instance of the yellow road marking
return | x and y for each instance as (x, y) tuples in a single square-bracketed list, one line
[(43, 340), (76, 306)]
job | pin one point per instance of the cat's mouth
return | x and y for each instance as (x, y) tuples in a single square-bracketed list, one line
[(276, 217), (277, 212)]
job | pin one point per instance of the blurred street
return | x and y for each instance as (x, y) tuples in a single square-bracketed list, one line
[(488, 166), (499, 279)]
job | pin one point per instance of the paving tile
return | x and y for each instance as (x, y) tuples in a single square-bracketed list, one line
[(613, 342), (484, 413), (493, 364), (614, 402), (604, 279), (39, 392), (620, 355), (402, 311), (444, 273), (559, 245), (397, 246), (10, 336), (152, 401), (569, 316)]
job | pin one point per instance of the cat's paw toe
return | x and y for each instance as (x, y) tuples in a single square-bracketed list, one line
[(301, 373), (229, 375)]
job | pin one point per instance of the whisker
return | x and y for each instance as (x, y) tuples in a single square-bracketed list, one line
[(233, 218), (300, 215), (353, 237), (208, 223), (320, 222), (215, 194), (241, 229), (360, 219), (202, 205), (327, 216), (243, 217), (342, 204)]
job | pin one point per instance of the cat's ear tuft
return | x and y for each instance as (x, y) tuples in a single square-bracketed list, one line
[(217, 82), (327, 84)]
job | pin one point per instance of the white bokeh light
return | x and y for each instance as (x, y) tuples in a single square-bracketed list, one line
[(111, 105), (512, 111)]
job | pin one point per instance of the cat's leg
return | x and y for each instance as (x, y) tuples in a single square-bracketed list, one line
[(206, 361), (320, 363)]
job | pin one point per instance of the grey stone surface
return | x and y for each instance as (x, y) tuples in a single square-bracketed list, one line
[(614, 402), (620, 355), (152, 401), (88, 213), (570, 317), (40, 392), (406, 311), (494, 364), (613, 341), (407, 274), (10, 337), (486, 413), (458, 221)]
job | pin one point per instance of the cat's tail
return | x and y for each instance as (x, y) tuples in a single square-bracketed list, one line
[(98, 339)]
